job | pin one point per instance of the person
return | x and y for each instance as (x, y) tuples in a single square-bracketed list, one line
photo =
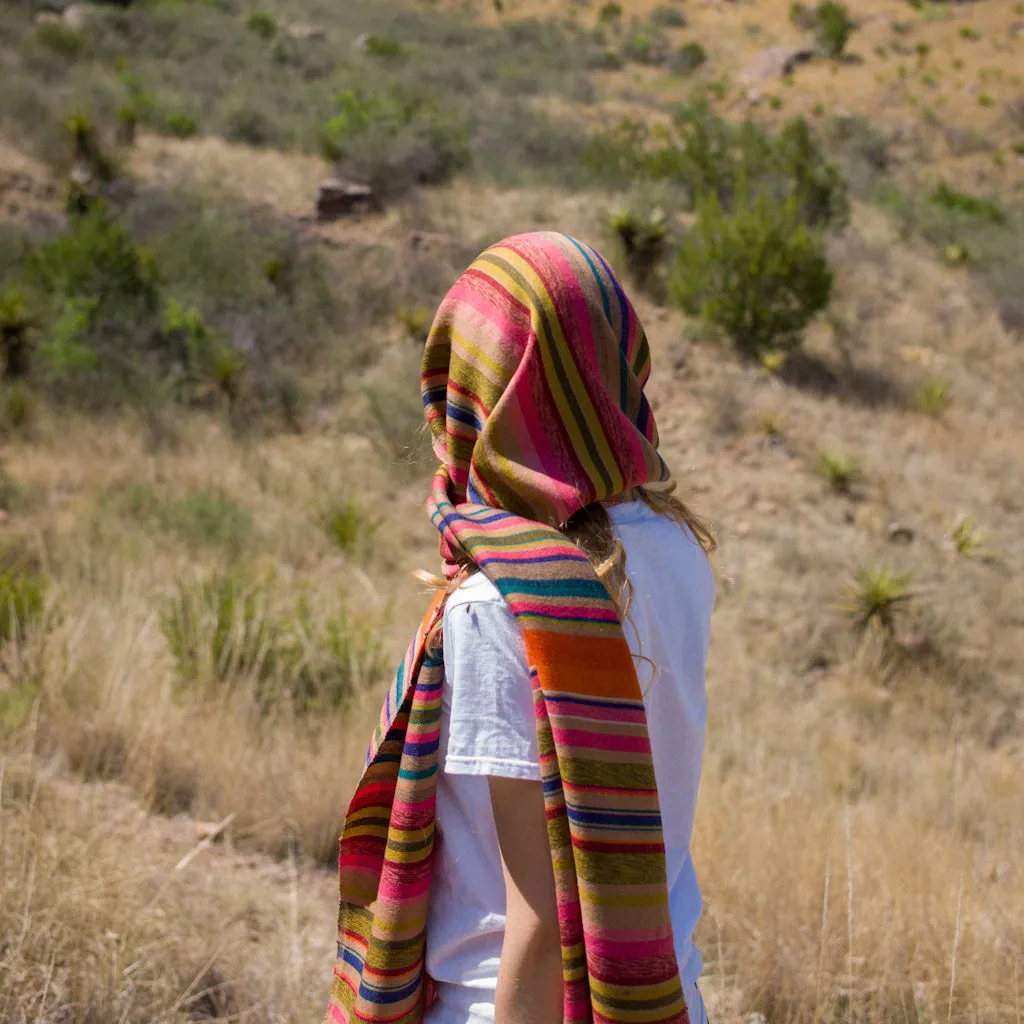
[(518, 848)]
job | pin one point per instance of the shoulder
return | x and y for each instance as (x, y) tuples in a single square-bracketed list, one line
[(475, 589)]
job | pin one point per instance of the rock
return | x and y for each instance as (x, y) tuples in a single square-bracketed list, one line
[(775, 62), (337, 198), (78, 16), (301, 32), (900, 533), (47, 18), (1017, 30)]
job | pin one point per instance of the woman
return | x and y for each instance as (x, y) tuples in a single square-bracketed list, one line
[(518, 848)]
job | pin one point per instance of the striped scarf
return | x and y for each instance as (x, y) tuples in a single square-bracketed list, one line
[(533, 379)]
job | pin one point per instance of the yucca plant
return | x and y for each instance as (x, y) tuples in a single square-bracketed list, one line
[(965, 538), (933, 396), (877, 593), (16, 325), (416, 321), (841, 472)]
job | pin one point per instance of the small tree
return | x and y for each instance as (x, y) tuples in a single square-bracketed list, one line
[(16, 326), (833, 27), (758, 272)]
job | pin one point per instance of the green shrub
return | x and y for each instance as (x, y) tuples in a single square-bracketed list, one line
[(394, 139), (610, 13), (645, 44), (22, 603), (757, 272), (969, 33), (963, 202), (687, 59), (841, 472), (212, 364), (704, 153), (249, 125), (56, 36), (832, 27), (180, 124), (383, 47), (16, 405), (667, 16), (965, 538), (262, 24)]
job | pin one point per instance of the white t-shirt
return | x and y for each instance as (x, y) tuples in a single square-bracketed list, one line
[(488, 728)]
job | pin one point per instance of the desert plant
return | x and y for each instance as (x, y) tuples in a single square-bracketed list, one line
[(383, 47), (59, 38), (17, 324), (416, 322), (348, 526), (206, 517), (89, 157), (877, 594), (644, 239), (969, 33), (645, 44), (667, 16), (610, 13), (802, 16), (687, 59), (221, 629), (841, 472), (128, 117), (23, 596), (933, 396), (758, 272), (394, 139), (262, 24), (832, 27), (181, 124), (965, 538), (970, 206)]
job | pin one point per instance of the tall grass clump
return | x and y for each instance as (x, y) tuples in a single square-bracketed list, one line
[(877, 593), (226, 631), (840, 471)]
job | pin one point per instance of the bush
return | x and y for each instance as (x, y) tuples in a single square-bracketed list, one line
[(757, 272), (802, 16), (262, 24), (970, 206), (180, 124), (933, 396), (394, 139), (687, 59), (706, 154), (646, 44), (56, 36), (833, 27), (610, 13), (667, 16), (383, 47)]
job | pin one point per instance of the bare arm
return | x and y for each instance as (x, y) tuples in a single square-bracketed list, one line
[(530, 975)]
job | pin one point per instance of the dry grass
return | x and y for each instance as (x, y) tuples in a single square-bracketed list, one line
[(859, 837)]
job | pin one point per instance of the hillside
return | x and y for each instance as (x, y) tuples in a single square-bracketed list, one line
[(213, 473)]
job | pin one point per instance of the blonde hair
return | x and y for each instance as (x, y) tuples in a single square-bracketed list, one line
[(592, 532)]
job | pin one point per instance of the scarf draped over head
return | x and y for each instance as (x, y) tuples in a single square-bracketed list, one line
[(533, 378)]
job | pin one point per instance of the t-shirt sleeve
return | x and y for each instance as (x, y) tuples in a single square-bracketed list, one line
[(492, 728)]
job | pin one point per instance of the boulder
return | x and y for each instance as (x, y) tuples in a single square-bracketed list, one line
[(338, 198), (301, 32), (775, 62)]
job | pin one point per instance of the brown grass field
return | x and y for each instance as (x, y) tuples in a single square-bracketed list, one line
[(860, 833)]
